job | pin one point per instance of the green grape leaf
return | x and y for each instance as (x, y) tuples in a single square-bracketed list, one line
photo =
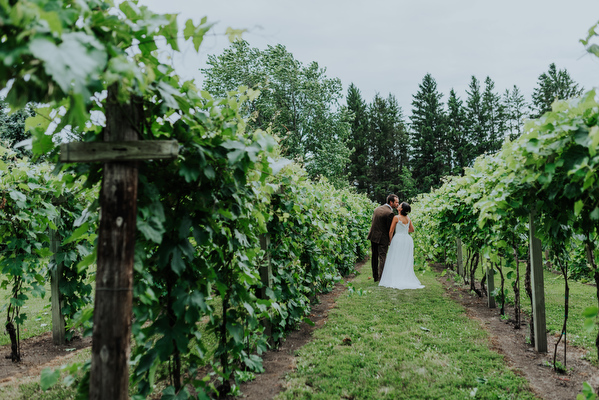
[(49, 378)]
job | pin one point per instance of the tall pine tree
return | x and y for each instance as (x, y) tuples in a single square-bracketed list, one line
[(459, 144), (388, 150), (552, 85), (404, 183), (515, 108), (475, 121), (428, 136), (12, 127), (358, 165), (494, 118)]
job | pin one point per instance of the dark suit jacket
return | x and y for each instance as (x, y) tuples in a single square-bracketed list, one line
[(381, 223)]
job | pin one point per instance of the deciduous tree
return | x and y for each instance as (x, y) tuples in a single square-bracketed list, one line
[(299, 103)]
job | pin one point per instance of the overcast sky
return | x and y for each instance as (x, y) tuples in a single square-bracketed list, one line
[(388, 46)]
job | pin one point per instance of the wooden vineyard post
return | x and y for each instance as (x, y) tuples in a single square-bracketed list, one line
[(58, 324), (538, 293), (116, 247), (490, 285), (460, 257), (109, 376), (265, 268), (265, 276)]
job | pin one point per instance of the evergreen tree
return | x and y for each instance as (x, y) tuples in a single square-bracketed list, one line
[(358, 165), (459, 144), (12, 127), (382, 149), (495, 119), (552, 85), (404, 186), (429, 136), (515, 107), (475, 121), (388, 150)]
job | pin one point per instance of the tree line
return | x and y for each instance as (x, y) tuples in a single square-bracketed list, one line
[(411, 156), (373, 146), (370, 146)]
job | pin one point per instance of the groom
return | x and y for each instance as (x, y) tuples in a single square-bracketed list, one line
[(379, 234)]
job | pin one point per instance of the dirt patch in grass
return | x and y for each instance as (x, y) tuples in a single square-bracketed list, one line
[(522, 357), (37, 353)]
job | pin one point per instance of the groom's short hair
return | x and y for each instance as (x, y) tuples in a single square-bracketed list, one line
[(391, 198)]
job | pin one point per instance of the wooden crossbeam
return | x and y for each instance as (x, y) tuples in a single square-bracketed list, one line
[(118, 151)]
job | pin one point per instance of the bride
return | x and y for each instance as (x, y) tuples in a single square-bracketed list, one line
[(399, 266)]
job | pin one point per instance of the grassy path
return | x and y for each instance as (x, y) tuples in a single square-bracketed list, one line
[(382, 343)]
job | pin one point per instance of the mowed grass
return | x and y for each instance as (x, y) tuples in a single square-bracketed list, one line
[(401, 344), (39, 315)]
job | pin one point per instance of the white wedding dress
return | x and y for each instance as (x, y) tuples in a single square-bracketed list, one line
[(398, 272)]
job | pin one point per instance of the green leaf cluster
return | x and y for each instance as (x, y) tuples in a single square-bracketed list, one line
[(549, 172), (37, 207), (197, 252), (298, 102)]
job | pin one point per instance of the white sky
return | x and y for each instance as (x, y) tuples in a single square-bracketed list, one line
[(388, 46)]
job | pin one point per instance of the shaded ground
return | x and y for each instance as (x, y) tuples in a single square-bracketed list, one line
[(37, 353)]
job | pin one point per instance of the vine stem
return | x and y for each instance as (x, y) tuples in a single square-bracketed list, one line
[(516, 288), (564, 270), (591, 260)]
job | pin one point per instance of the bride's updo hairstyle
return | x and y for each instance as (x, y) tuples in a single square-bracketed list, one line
[(405, 208)]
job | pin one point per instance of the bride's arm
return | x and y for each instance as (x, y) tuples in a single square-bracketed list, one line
[(393, 223), (411, 228)]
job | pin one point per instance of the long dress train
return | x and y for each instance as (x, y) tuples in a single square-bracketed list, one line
[(399, 266)]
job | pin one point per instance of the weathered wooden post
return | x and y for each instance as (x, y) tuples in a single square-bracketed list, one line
[(109, 378), (538, 287), (460, 257), (265, 277), (266, 267), (490, 285), (58, 324)]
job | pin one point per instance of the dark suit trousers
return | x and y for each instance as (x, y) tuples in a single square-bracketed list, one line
[(379, 254)]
